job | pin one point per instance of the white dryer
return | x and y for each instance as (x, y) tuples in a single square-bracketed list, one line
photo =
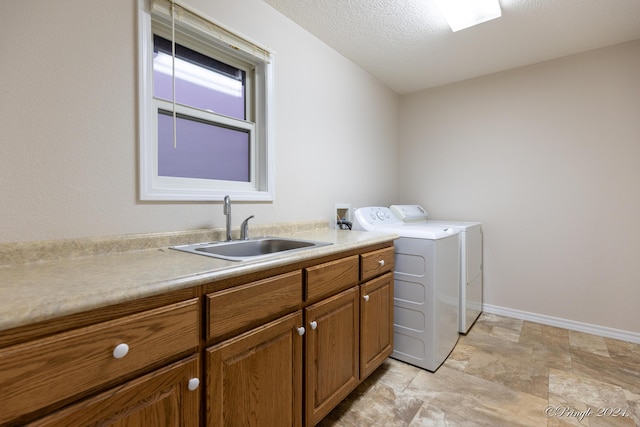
[(426, 277), (470, 260)]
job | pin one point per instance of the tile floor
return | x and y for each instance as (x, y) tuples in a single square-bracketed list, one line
[(506, 372)]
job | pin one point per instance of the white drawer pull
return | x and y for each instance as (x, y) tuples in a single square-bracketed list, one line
[(366, 297), (193, 384), (313, 324), (301, 330), (381, 262), (120, 351)]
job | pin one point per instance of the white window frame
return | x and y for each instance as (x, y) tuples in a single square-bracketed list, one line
[(153, 16)]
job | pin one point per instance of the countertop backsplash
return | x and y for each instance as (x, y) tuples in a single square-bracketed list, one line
[(13, 253)]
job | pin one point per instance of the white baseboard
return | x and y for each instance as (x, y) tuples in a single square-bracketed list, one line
[(571, 325)]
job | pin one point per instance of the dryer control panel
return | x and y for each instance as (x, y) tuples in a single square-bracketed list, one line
[(409, 213)]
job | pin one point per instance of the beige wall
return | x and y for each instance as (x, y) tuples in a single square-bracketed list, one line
[(68, 166), (548, 158)]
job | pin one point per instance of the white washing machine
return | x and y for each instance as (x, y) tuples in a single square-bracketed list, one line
[(470, 260), (427, 266)]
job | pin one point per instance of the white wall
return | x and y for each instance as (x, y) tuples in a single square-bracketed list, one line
[(548, 158), (68, 166)]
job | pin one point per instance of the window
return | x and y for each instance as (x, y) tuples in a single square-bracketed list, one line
[(205, 101)]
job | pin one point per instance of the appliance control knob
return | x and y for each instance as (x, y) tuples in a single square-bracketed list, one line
[(380, 215)]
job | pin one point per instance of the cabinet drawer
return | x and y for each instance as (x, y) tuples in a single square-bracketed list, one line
[(329, 278), (155, 399), (243, 307), (375, 263), (43, 372)]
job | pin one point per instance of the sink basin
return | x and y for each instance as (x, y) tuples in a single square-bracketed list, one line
[(244, 250)]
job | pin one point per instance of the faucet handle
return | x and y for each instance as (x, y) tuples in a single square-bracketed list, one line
[(244, 229), (227, 205)]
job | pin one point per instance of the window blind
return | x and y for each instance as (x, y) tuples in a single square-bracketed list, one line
[(195, 20)]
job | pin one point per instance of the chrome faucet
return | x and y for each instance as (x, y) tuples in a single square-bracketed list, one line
[(227, 212), (244, 229)]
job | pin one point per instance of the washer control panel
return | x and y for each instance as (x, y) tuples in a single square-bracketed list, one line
[(409, 213), (368, 218)]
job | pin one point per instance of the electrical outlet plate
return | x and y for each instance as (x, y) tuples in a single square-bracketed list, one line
[(341, 211)]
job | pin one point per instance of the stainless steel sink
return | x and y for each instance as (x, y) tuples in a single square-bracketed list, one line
[(245, 250)]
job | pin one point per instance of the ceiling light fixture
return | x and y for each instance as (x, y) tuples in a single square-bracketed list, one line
[(461, 14)]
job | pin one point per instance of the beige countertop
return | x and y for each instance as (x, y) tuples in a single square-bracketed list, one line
[(36, 291)]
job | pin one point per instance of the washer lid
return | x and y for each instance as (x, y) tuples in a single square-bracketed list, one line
[(379, 218), (418, 231), (421, 230), (460, 225)]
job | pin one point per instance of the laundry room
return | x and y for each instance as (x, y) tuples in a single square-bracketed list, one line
[(527, 123)]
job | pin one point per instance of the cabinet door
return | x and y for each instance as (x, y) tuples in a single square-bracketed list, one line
[(332, 352), (161, 398), (255, 379), (376, 323)]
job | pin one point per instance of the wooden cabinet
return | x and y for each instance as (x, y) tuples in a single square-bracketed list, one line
[(332, 353), (167, 397), (255, 379), (254, 369), (274, 347), (376, 322), (349, 334), (376, 313), (54, 369)]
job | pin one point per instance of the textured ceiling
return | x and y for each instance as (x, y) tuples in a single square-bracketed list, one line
[(408, 45)]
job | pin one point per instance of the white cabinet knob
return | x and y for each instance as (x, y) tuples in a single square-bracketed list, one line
[(301, 330), (193, 384), (120, 351), (366, 297), (313, 324), (381, 262)]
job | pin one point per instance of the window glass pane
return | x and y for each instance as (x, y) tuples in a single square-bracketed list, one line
[(203, 150), (201, 82)]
